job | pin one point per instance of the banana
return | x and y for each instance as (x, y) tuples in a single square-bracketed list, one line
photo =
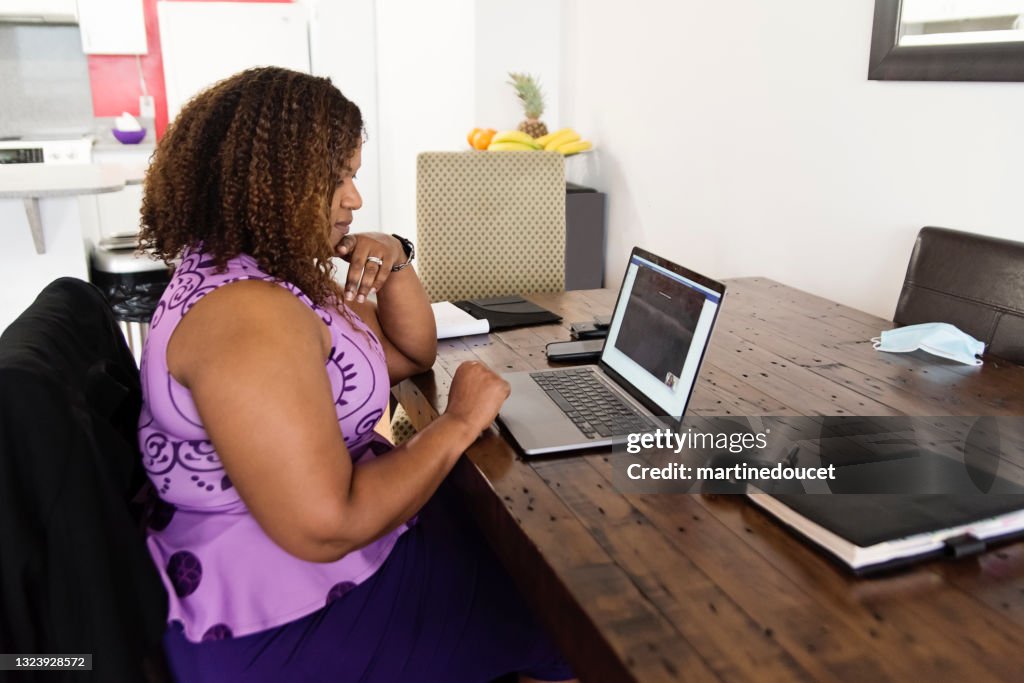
[(515, 136), (562, 137), (544, 139), (575, 147), (510, 147)]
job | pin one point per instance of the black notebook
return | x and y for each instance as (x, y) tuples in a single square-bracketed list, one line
[(876, 532), (504, 312)]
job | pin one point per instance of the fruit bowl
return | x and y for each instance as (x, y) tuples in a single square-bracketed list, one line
[(129, 137)]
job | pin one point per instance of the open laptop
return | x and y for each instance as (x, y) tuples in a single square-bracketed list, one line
[(648, 368)]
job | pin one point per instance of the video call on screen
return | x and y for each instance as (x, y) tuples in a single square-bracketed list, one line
[(658, 324)]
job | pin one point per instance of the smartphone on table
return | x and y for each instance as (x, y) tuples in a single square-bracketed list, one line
[(587, 349)]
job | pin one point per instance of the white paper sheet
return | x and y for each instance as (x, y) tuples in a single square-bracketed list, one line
[(452, 321)]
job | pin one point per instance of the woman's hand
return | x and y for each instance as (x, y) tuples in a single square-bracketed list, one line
[(476, 395), (371, 256)]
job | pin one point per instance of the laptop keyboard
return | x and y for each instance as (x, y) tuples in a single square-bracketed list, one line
[(593, 407)]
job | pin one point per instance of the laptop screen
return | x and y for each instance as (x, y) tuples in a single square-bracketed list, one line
[(658, 333)]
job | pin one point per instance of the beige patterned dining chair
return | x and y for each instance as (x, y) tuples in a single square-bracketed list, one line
[(488, 224)]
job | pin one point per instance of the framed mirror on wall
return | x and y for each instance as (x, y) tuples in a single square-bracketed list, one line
[(947, 40)]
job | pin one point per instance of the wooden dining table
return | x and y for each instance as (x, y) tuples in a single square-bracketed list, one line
[(691, 587)]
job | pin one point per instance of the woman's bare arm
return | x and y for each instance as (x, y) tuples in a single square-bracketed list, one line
[(402, 315), (403, 320), (253, 357)]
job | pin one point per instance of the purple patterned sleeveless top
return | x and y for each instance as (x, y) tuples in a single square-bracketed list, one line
[(224, 575)]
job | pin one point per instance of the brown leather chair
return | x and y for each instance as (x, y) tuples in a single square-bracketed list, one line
[(971, 281)]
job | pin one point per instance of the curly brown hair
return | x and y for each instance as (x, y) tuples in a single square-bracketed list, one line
[(249, 166)]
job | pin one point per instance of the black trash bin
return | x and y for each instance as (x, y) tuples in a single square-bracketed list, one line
[(133, 283)]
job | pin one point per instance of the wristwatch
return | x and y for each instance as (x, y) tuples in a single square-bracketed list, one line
[(408, 248)]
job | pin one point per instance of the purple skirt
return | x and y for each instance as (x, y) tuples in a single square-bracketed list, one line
[(441, 608)]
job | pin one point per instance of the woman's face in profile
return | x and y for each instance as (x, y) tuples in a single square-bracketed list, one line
[(345, 200)]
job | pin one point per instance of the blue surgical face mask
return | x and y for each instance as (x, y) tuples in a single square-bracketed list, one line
[(940, 339)]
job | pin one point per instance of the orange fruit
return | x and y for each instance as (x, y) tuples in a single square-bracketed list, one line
[(469, 138), (482, 138)]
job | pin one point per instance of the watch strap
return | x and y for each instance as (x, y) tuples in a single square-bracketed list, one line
[(408, 248)]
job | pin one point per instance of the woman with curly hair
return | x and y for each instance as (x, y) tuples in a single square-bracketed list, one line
[(296, 543)]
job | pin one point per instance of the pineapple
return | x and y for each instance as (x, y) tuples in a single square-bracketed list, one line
[(529, 93)]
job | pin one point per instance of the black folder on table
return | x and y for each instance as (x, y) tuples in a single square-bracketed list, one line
[(504, 312), (876, 532)]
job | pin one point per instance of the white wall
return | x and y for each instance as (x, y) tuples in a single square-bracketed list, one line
[(23, 272), (343, 46), (523, 36), (442, 69), (425, 67), (424, 75), (743, 138)]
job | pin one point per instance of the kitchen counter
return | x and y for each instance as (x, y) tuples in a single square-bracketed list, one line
[(45, 232), (18, 181), (111, 144), (32, 182), (105, 141)]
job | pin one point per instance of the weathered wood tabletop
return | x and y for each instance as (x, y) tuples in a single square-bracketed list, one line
[(692, 587)]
